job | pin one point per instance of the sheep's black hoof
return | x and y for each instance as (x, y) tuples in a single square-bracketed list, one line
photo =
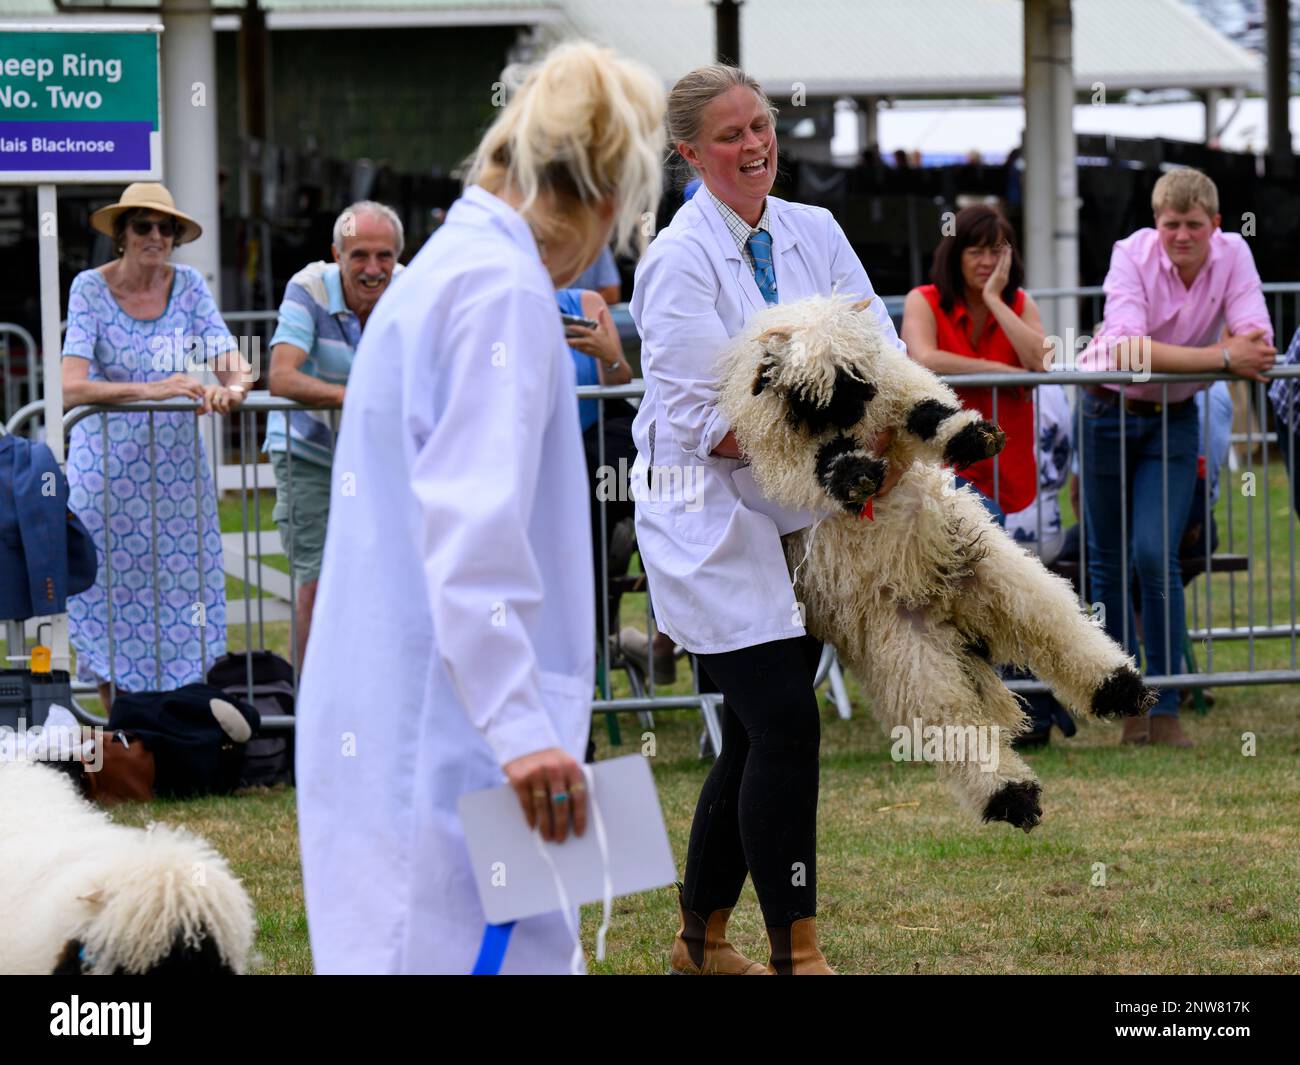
[(976, 442), (1122, 694), (849, 475), (1017, 805), (854, 479)]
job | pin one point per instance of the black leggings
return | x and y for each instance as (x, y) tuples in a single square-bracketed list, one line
[(758, 809)]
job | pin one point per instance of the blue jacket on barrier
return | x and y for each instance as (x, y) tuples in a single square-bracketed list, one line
[(46, 554)]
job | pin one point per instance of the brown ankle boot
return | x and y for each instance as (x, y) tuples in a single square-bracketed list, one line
[(795, 951), (701, 947), (1168, 732), (1137, 730)]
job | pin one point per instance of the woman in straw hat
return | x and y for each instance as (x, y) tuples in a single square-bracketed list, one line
[(135, 327), (455, 643)]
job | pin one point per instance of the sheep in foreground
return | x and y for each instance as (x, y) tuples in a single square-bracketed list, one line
[(85, 896)]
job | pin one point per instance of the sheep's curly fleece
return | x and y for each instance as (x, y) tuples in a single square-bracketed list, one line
[(67, 873), (926, 599)]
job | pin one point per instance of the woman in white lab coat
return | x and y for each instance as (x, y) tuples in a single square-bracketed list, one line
[(452, 646), (718, 578)]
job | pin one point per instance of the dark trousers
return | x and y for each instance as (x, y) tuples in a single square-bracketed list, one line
[(1288, 443), (757, 812), (604, 482)]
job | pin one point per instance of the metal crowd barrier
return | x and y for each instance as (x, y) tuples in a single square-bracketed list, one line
[(1203, 628), (9, 381), (1207, 627)]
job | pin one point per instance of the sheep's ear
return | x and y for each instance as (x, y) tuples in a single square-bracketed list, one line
[(774, 337), (861, 305)]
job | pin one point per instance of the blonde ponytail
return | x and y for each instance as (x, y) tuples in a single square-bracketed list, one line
[(584, 125)]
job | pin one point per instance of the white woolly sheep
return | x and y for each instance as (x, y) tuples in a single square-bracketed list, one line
[(86, 896), (924, 600)]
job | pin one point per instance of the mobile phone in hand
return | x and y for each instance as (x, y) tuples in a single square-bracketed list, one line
[(573, 319)]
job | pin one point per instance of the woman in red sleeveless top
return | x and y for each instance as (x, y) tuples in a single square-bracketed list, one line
[(975, 318)]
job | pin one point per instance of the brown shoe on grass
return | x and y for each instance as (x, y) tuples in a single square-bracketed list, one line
[(1167, 731), (1137, 731), (795, 951), (701, 947)]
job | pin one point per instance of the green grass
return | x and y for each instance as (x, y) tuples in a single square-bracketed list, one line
[(230, 513), (1198, 847)]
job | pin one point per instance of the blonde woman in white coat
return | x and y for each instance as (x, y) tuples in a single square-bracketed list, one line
[(717, 574), (453, 643)]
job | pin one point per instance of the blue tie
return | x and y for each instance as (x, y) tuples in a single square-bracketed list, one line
[(760, 247)]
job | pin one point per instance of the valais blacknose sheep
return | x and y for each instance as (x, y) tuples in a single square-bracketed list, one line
[(920, 592), (81, 895)]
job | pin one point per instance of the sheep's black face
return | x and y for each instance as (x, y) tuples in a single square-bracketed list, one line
[(848, 403), (182, 960), (843, 467)]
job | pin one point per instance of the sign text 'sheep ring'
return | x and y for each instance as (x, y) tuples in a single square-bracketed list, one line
[(79, 105), (74, 66)]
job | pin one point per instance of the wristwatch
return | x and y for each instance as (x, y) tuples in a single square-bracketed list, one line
[(1227, 360)]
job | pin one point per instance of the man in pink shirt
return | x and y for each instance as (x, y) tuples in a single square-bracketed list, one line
[(1183, 297)]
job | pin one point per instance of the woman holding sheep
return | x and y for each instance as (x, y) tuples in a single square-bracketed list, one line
[(718, 577)]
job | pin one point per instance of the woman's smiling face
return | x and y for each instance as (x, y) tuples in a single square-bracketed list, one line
[(735, 151), (151, 248)]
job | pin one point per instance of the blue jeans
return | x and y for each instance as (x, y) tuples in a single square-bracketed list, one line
[(1153, 556)]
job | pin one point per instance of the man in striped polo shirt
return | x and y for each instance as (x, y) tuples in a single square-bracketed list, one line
[(325, 308)]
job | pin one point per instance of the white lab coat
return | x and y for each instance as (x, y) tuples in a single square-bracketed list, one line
[(453, 625), (718, 577)]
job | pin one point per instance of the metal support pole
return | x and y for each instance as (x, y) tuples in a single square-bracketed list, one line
[(868, 124), (47, 228), (1065, 187), (1277, 78), (1040, 267), (727, 24), (1211, 98), (189, 73)]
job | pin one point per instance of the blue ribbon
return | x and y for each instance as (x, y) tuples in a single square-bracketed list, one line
[(492, 951)]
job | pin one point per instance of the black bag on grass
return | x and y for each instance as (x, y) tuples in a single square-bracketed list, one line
[(195, 733), (268, 757)]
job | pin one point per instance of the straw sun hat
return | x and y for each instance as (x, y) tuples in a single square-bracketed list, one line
[(149, 196)]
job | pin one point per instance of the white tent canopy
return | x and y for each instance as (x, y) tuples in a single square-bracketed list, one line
[(952, 128), (926, 47), (830, 47)]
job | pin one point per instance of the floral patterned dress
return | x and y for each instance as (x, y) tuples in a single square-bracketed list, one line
[(160, 500)]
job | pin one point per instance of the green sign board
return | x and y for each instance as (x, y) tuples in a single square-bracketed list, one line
[(79, 105)]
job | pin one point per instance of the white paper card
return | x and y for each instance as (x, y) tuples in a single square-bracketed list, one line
[(787, 520), (514, 880)]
